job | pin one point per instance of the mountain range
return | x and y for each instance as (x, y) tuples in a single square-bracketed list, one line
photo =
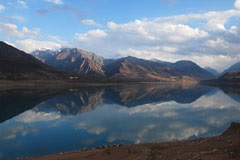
[(72, 60), (213, 71), (73, 63), (230, 76), (235, 67), (129, 68), (16, 64)]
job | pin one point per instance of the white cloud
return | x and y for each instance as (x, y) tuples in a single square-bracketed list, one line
[(170, 38), (89, 22), (159, 32), (22, 3), (237, 4), (219, 42), (55, 1), (12, 30), (2, 7), (59, 40), (29, 45), (91, 34), (33, 32), (235, 30)]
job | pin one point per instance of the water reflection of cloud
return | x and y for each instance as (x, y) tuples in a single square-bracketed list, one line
[(143, 132), (164, 121), (218, 101), (32, 116), (138, 128), (185, 132), (93, 129), (12, 132), (166, 109), (113, 123)]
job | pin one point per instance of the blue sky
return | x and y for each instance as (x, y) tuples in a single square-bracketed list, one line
[(206, 32)]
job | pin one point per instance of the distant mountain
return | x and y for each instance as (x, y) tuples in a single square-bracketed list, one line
[(191, 69), (160, 61), (233, 76), (16, 64), (211, 70), (229, 78), (235, 67), (131, 68), (140, 69), (123, 69), (73, 60)]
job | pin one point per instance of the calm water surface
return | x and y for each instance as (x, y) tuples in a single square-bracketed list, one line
[(38, 121)]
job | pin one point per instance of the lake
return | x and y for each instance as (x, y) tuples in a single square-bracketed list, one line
[(37, 121)]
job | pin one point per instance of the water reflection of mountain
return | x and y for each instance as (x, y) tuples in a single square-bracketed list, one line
[(73, 102), (126, 95), (14, 102), (232, 91), (140, 94)]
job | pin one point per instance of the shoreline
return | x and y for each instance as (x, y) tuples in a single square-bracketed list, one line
[(222, 147), (61, 83)]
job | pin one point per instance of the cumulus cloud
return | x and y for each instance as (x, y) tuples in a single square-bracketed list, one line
[(158, 32), (90, 35), (59, 40), (29, 45), (12, 30), (26, 38), (170, 38), (237, 4), (22, 3), (90, 22), (1, 8), (55, 1)]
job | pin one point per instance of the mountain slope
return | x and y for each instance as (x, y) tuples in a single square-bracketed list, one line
[(211, 70), (229, 78), (191, 69), (128, 68), (73, 60), (235, 67), (16, 64), (233, 76), (131, 68)]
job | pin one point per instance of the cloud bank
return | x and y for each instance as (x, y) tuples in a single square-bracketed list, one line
[(237, 4), (1, 8), (211, 35), (209, 38)]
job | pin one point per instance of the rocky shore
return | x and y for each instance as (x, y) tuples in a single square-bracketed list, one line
[(222, 147)]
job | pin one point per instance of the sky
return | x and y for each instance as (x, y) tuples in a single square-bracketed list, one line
[(206, 32)]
